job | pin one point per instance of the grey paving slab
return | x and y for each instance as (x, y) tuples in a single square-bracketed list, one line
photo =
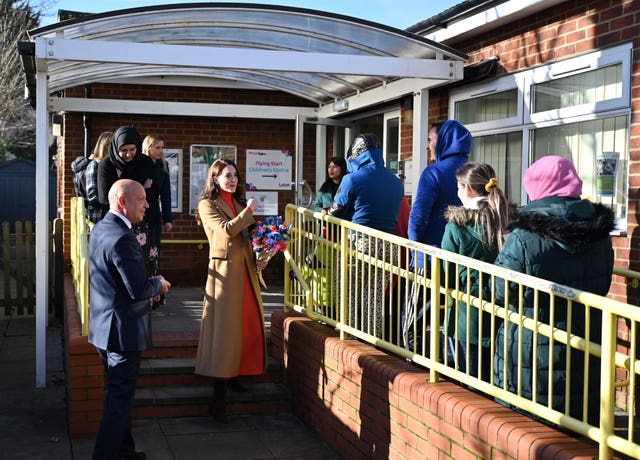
[(33, 421)]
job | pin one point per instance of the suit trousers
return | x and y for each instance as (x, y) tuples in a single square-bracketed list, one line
[(114, 439)]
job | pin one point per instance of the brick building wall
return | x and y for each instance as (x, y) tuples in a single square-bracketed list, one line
[(565, 31)]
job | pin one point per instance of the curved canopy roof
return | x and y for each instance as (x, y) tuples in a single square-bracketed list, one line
[(318, 56)]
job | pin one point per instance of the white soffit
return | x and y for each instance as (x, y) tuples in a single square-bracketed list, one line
[(488, 19), (318, 56)]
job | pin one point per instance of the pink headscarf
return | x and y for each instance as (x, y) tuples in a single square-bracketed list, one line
[(552, 176)]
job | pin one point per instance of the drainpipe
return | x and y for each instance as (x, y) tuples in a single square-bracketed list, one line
[(86, 123)]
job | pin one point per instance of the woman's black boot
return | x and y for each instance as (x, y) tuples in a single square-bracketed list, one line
[(234, 384), (218, 409)]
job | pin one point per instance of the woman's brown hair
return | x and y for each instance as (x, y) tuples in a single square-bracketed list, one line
[(212, 189)]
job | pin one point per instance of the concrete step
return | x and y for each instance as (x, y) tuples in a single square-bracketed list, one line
[(179, 371), (168, 387), (194, 400)]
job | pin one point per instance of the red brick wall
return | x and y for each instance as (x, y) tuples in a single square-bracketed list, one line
[(367, 404), (186, 263), (84, 372)]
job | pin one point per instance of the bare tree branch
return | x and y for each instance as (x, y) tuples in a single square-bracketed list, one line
[(17, 120)]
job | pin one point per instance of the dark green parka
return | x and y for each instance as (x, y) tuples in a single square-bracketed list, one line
[(462, 236), (564, 240)]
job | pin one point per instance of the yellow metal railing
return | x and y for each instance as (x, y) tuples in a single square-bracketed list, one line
[(80, 260), (80, 229), (357, 279)]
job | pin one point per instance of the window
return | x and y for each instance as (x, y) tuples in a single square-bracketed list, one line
[(487, 108), (585, 88), (504, 153), (201, 158), (578, 108), (582, 143), (391, 141)]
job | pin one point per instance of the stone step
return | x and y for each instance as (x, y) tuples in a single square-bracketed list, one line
[(194, 400), (179, 371)]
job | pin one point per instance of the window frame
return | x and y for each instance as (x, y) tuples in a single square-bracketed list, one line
[(575, 66), (526, 122), (496, 86)]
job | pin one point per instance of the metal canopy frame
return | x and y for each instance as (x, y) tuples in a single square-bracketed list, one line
[(318, 56)]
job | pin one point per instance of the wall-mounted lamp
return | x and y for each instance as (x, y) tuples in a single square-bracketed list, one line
[(341, 105), (56, 124)]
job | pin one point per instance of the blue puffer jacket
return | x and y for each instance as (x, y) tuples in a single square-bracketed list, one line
[(438, 188), (370, 194)]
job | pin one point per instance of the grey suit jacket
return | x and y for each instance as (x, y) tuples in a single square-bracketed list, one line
[(119, 288)]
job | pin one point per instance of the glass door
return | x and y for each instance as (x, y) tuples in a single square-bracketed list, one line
[(317, 140)]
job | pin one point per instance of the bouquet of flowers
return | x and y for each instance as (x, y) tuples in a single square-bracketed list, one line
[(268, 237)]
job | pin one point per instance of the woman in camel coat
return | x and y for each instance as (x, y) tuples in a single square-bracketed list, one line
[(232, 337)]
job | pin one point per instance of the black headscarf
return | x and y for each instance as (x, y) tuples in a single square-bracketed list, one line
[(141, 167), (125, 135)]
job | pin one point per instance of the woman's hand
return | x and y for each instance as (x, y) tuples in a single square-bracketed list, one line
[(261, 264), (252, 204)]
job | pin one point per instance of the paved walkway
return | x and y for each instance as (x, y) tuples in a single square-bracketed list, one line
[(33, 422)]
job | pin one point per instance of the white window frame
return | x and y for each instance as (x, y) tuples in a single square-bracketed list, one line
[(386, 118), (498, 85), (574, 66), (526, 122)]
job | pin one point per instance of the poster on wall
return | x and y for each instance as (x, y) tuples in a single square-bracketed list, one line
[(201, 157), (268, 202), (268, 169), (174, 163), (607, 167)]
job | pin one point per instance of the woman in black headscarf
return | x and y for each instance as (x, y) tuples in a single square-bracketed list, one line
[(126, 161)]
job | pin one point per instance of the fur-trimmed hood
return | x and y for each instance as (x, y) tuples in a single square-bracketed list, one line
[(461, 216), (464, 218), (573, 223)]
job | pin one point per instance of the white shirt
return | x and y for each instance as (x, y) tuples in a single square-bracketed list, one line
[(121, 216)]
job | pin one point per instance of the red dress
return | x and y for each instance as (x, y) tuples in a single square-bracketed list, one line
[(252, 361)]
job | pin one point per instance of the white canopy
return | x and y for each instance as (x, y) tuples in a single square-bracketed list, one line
[(322, 57)]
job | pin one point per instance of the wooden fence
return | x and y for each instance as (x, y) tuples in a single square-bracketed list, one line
[(18, 268)]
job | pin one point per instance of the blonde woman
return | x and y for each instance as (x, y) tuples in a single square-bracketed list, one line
[(159, 210), (95, 210)]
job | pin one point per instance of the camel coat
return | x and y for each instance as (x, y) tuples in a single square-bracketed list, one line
[(219, 348)]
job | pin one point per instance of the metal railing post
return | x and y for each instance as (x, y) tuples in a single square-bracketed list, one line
[(607, 384), (434, 312)]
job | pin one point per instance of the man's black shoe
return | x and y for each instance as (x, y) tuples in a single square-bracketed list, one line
[(134, 456)]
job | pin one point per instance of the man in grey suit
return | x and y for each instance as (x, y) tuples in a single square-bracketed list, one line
[(119, 323)]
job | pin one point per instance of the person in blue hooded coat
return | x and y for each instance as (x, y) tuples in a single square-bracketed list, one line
[(450, 143), (369, 195)]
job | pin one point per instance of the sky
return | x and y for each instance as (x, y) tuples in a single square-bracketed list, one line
[(395, 13)]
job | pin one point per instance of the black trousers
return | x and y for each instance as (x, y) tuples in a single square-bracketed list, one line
[(114, 438)]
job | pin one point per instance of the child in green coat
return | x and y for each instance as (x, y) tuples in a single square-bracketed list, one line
[(474, 229)]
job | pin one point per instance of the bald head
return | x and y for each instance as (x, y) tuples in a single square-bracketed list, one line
[(128, 198)]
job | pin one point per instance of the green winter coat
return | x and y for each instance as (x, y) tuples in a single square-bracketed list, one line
[(564, 240), (462, 236)]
